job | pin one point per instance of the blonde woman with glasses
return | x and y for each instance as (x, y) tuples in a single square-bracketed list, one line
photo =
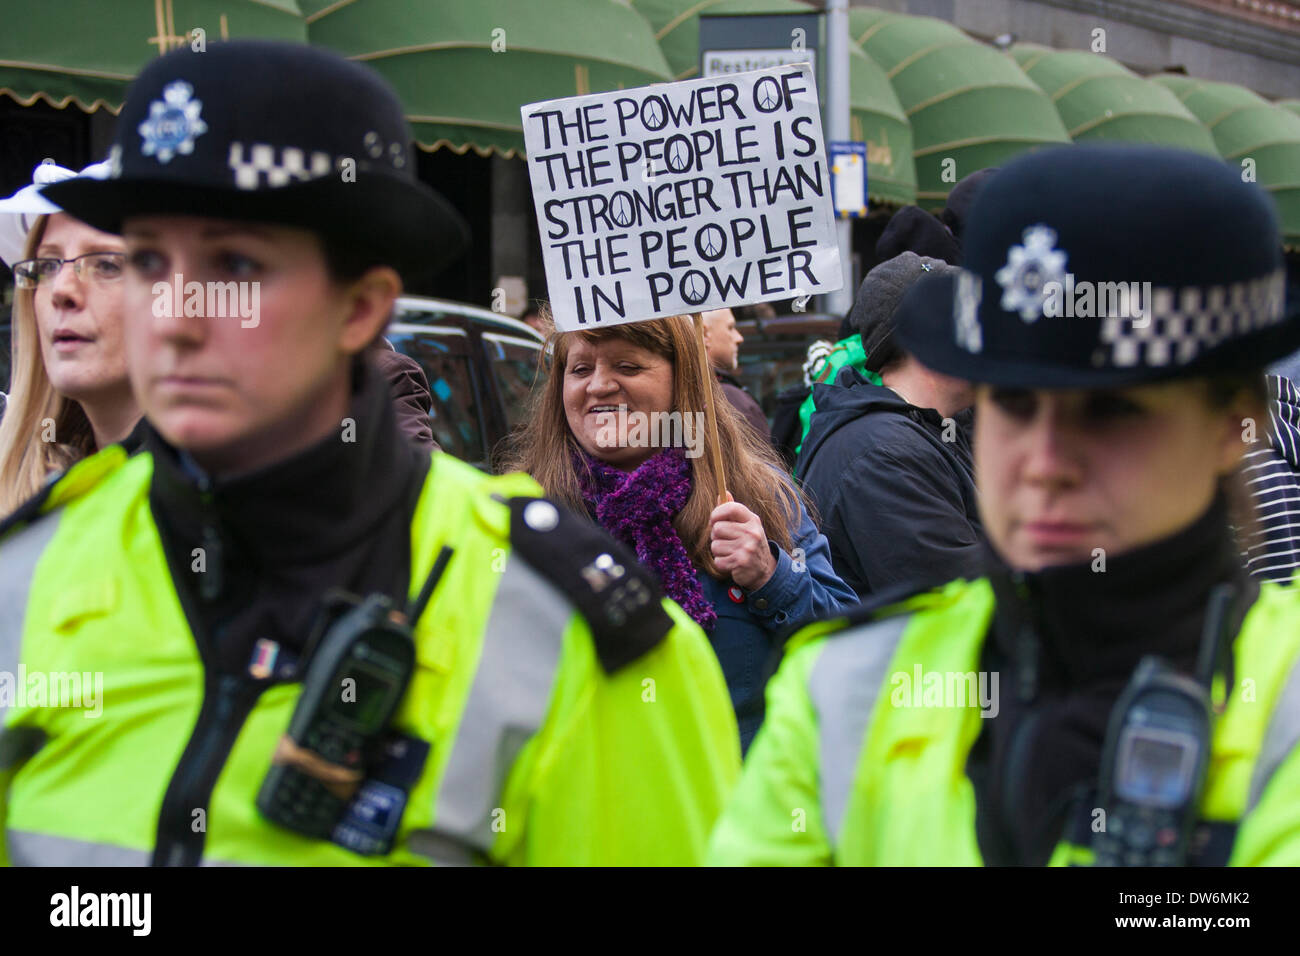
[(69, 393)]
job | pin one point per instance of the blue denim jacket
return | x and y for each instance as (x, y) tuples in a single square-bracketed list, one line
[(749, 622)]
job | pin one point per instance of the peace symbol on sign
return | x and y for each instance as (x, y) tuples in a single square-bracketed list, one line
[(679, 154), (652, 114), (767, 94), (711, 242), (695, 287), (620, 208)]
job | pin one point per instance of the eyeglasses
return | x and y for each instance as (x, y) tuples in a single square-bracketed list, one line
[(104, 267)]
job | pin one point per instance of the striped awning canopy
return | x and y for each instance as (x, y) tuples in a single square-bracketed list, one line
[(970, 105), (86, 52), (1260, 137), (464, 67), (1101, 100)]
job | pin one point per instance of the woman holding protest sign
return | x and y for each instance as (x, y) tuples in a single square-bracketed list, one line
[(617, 431)]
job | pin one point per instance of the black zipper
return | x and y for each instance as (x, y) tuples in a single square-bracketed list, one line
[(227, 701), (213, 581), (1026, 641), (1014, 769)]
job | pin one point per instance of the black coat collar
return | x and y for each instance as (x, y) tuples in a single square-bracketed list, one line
[(1075, 625), (1066, 641), (311, 506), (275, 542)]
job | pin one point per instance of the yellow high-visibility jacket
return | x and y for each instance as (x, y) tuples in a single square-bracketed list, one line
[(538, 754), (843, 772)]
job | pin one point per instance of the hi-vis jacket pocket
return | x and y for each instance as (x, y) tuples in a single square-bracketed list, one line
[(70, 607)]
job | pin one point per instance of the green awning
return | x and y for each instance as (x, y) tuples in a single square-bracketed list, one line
[(1245, 126), (464, 67), (86, 52), (1292, 105), (876, 118), (875, 115), (967, 102), (1098, 99)]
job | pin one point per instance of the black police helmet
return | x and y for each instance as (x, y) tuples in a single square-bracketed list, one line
[(1056, 254), (272, 132)]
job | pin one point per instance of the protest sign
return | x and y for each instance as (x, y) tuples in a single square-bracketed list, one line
[(680, 197)]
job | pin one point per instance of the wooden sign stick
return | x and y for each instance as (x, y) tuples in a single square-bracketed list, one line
[(710, 410)]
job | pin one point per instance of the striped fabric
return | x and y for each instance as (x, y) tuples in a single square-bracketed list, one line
[(1272, 473)]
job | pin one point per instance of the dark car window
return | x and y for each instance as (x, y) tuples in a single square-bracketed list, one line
[(514, 365), (456, 418)]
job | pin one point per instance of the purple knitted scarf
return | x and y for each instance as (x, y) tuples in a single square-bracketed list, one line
[(637, 508)]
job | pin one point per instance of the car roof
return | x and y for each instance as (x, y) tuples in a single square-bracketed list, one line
[(447, 310)]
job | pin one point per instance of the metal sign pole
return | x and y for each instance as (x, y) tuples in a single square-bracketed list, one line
[(837, 130)]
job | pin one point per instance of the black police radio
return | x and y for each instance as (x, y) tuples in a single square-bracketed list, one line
[(352, 687), (360, 663), (1153, 769), (1157, 754)]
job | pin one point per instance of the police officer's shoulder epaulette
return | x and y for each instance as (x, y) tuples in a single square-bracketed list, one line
[(620, 599), (64, 486)]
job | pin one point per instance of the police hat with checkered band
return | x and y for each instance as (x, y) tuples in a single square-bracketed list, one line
[(1099, 266), (271, 132)]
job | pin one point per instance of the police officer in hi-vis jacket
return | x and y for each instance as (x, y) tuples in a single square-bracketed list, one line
[(319, 645), (1114, 690)]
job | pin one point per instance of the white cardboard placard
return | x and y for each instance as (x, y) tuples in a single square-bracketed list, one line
[(681, 197)]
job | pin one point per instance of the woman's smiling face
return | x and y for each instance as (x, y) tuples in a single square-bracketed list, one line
[(606, 381)]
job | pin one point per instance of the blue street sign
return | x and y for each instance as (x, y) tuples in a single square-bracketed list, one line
[(848, 178)]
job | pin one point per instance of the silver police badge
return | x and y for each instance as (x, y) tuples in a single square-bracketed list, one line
[(173, 123), (1028, 270)]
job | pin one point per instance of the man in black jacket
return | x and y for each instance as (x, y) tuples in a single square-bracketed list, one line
[(889, 466)]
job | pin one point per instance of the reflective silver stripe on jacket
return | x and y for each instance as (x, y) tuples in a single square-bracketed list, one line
[(41, 849), (19, 555), (506, 706), (1281, 738), (844, 684)]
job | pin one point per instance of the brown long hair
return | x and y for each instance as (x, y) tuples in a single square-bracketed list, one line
[(26, 459), (546, 448)]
